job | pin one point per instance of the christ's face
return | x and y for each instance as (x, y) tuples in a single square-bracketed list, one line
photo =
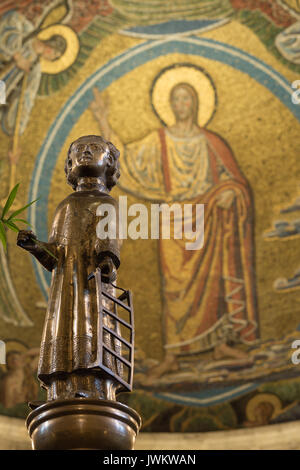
[(182, 103), (88, 157)]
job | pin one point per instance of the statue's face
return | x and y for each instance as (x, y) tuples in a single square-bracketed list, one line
[(182, 103), (88, 157)]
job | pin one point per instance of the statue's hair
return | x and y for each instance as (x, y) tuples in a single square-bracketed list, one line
[(112, 171)]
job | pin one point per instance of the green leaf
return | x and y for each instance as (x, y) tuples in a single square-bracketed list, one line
[(2, 235), (21, 220), (10, 200), (11, 225), (21, 210)]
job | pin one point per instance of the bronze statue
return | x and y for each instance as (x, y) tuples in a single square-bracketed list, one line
[(81, 349)]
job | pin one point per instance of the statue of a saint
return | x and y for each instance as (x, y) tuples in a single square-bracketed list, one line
[(69, 363)]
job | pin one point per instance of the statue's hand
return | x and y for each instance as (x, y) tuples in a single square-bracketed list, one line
[(26, 239), (108, 270)]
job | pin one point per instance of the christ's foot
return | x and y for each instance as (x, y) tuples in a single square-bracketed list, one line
[(223, 351), (169, 364)]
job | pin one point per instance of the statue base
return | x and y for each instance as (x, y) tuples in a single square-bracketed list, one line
[(83, 423)]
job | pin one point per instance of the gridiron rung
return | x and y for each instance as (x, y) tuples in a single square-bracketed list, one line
[(117, 318), (112, 332), (127, 385), (116, 355), (123, 296), (115, 299)]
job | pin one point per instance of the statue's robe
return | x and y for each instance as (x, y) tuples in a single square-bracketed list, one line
[(71, 340), (208, 294)]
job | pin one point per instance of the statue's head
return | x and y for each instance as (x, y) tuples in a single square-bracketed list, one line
[(184, 102), (92, 156)]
